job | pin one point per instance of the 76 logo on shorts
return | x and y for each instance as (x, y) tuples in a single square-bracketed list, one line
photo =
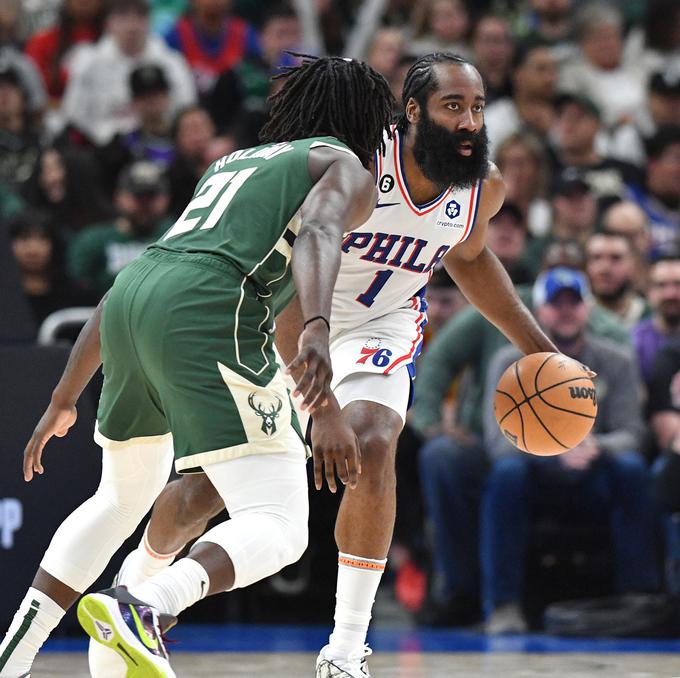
[(380, 357)]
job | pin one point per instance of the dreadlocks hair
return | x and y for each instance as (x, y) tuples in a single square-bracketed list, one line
[(332, 96), (421, 81)]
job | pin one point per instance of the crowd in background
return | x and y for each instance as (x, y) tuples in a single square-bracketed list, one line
[(110, 111)]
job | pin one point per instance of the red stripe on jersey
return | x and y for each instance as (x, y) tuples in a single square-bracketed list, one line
[(415, 302), (471, 210)]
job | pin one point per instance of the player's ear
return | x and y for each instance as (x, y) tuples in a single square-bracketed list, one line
[(412, 110)]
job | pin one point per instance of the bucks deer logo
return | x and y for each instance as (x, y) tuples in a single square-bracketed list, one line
[(268, 415)]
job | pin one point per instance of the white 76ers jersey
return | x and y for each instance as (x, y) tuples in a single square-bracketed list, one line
[(388, 260)]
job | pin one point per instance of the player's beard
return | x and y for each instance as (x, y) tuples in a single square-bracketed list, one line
[(436, 152)]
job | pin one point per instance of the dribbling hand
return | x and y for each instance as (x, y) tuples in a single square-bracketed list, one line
[(56, 421)]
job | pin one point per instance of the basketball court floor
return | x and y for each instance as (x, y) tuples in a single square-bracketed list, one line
[(290, 651)]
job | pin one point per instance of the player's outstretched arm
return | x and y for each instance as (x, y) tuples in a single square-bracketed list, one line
[(485, 283), (61, 413), (342, 198)]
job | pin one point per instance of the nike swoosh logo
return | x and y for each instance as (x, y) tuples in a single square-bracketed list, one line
[(386, 204)]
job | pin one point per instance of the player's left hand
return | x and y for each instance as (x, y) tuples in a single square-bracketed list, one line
[(314, 361), (56, 421)]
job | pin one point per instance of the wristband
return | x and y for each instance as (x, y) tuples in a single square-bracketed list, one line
[(317, 317)]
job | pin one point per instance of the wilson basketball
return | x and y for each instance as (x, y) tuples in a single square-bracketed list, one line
[(545, 403)]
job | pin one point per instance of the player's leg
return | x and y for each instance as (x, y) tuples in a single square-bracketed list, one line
[(266, 495), (375, 406), (132, 477)]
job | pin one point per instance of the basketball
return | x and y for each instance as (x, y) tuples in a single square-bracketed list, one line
[(545, 403)]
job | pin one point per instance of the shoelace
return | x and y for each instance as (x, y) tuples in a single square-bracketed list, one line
[(359, 655)]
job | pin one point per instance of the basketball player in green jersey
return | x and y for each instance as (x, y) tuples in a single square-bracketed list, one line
[(185, 336)]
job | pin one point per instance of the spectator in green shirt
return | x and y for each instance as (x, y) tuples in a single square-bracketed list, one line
[(97, 254)]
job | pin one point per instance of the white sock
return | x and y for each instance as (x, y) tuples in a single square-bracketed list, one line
[(358, 580), (176, 588), (144, 562), (33, 622)]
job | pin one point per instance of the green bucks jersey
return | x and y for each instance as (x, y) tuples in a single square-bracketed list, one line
[(245, 210)]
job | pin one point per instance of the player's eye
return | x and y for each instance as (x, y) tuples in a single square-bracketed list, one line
[(478, 108), (452, 106)]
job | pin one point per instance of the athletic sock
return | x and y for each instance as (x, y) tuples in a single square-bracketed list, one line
[(33, 622), (143, 563), (176, 588), (358, 580)]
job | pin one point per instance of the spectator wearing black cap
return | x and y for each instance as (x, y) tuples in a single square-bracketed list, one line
[(98, 101), (574, 215), (659, 198), (575, 146), (19, 144), (151, 139), (97, 254), (627, 142)]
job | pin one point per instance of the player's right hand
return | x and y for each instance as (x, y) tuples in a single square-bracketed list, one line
[(335, 449), (314, 362), (56, 421)]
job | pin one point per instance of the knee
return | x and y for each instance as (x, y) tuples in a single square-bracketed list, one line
[(296, 539), (197, 501), (377, 461)]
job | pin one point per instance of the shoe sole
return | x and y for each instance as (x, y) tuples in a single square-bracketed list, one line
[(114, 633)]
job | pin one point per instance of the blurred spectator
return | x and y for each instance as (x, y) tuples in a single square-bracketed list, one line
[(19, 144), (97, 254), (80, 21), (506, 238), (65, 187), (627, 142), (534, 78), (653, 332), (98, 99), (522, 162), (37, 15), (551, 23), (611, 266), (656, 44), (627, 218), (12, 57), (492, 50), (574, 145), (38, 251), (440, 26), (151, 139), (660, 197), (444, 300), (241, 92), (385, 53), (574, 215), (453, 461), (212, 40), (599, 72), (605, 474), (193, 132)]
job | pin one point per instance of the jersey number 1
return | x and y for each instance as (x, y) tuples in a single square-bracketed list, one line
[(212, 199), (379, 279)]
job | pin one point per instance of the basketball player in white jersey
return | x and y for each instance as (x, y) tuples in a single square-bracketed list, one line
[(437, 192)]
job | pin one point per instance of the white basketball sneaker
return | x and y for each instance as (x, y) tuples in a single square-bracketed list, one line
[(354, 666)]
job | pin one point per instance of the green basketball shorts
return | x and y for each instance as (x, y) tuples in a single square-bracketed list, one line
[(187, 349)]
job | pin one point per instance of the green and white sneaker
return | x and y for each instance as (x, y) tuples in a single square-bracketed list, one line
[(354, 666), (132, 628)]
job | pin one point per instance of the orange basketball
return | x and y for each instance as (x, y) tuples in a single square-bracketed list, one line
[(545, 403)]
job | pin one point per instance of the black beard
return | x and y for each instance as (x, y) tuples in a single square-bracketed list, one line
[(616, 294), (436, 152)]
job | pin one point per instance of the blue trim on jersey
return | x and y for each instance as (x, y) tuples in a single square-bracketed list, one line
[(474, 214), (397, 140)]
